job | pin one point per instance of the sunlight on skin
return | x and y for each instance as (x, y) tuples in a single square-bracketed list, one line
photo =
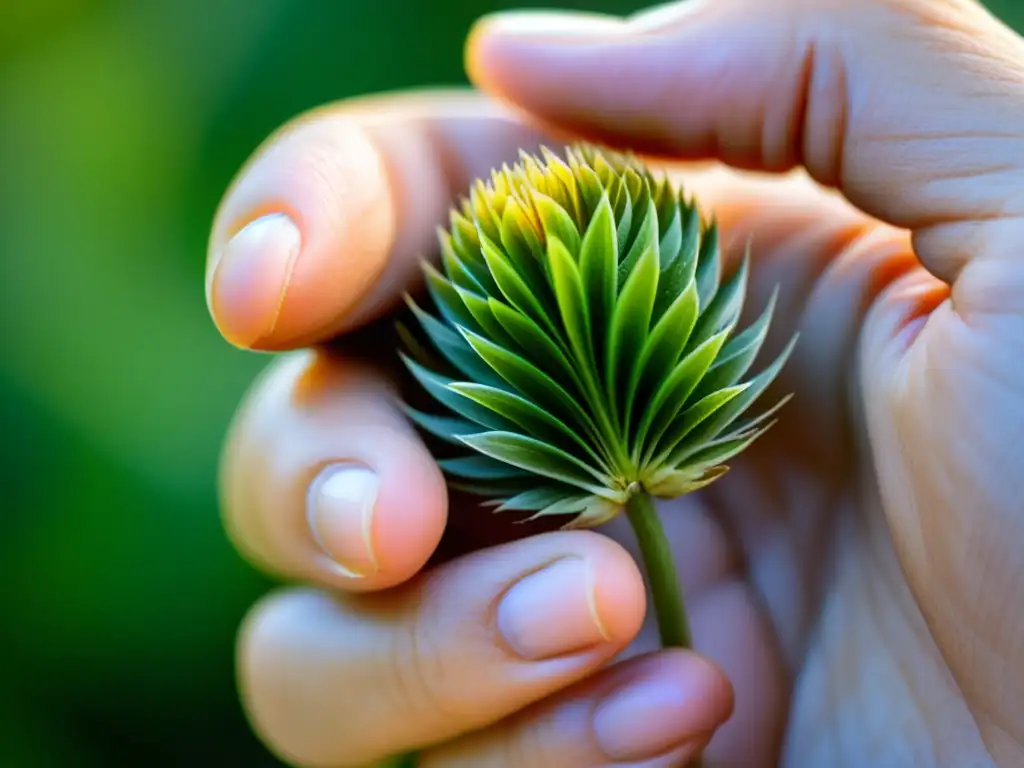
[(859, 559)]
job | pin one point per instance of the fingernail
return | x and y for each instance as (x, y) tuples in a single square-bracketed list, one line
[(556, 24), (249, 280), (341, 511), (647, 718), (552, 612)]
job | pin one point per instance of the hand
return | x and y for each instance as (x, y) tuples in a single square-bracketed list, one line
[(853, 583)]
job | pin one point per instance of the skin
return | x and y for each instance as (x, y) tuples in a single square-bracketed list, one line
[(854, 582)]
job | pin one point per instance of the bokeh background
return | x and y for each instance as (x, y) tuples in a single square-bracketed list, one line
[(121, 124)]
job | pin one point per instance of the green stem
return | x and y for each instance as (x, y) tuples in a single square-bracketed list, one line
[(666, 590), (669, 609)]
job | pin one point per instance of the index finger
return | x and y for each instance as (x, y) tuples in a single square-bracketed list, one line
[(911, 108), (323, 228)]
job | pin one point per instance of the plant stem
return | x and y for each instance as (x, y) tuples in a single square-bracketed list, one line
[(666, 590), (669, 609)]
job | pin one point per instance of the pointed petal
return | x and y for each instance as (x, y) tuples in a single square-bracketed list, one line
[(671, 396), (453, 346), (420, 353), (591, 188), (725, 416), (517, 236), (557, 222), (678, 483), (511, 283), (685, 423), (538, 498), (646, 240), (447, 299), (739, 354), (597, 511), (708, 265), (443, 427), (682, 270), (724, 310), (532, 383), (545, 352), (662, 349), (438, 388), (539, 458), (630, 323), (598, 269), (535, 421), (481, 468), (682, 482), (572, 301), (671, 221), (454, 268), (482, 318)]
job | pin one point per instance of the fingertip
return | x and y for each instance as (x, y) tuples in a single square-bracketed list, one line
[(482, 58), (378, 520), (497, 42), (475, 48), (301, 236), (661, 705), (323, 479), (249, 279), (718, 696), (532, 25), (414, 514), (619, 595), (706, 698)]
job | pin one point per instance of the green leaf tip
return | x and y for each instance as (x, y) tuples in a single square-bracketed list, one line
[(584, 341)]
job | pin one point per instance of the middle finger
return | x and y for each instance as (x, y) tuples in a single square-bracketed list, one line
[(323, 479)]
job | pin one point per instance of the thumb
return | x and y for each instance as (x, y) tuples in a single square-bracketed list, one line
[(914, 109)]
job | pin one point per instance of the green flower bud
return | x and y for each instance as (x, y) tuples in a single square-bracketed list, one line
[(582, 346)]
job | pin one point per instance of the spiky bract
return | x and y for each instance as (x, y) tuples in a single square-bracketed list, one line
[(588, 347)]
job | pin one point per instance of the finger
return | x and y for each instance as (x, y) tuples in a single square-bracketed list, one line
[(346, 682), (656, 711), (912, 108), (323, 479), (324, 227)]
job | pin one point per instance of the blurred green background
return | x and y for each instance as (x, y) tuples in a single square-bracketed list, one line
[(121, 124)]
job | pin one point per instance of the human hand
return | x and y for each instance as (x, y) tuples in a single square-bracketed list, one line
[(850, 583)]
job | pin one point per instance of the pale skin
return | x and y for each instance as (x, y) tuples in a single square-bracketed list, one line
[(854, 583)]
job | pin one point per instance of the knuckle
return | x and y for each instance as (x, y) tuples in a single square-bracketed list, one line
[(535, 740), (422, 670)]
